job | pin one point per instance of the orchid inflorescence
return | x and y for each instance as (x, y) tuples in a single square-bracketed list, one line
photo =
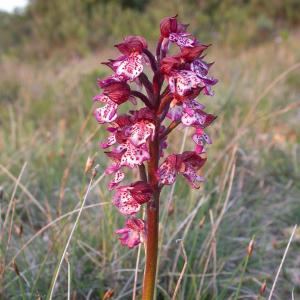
[(140, 136)]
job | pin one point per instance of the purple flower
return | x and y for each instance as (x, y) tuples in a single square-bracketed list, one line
[(183, 39), (133, 233), (187, 164), (113, 95), (128, 199)]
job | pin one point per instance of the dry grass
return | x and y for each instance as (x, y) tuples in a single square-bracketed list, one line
[(252, 187)]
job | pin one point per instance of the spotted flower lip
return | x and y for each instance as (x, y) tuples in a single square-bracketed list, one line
[(119, 176), (108, 112), (167, 172), (128, 155), (196, 117), (131, 67), (191, 113), (201, 138), (187, 164), (140, 132), (133, 233), (112, 96), (183, 39), (184, 83), (128, 199), (191, 82)]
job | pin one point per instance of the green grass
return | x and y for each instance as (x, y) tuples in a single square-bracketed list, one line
[(46, 122)]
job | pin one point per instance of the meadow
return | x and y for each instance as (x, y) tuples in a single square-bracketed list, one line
[(252, 189)]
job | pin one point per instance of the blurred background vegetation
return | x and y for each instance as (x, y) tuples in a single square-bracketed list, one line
[(50, 56), (80, 26)]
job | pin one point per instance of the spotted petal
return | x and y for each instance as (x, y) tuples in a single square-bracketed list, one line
[(131, 67), (182, 39), (175, 113), (133, 233), (193, 178), (124, 201), (192, 117), (102, 98), (200, 67), (167, 171), (119, 176), (183, 82), (107, 113), (133, 155), (110, 141), (194, 104), (189, 163), (140, 132)]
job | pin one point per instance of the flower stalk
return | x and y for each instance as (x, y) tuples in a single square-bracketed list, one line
[(152, 222), (139, 137)]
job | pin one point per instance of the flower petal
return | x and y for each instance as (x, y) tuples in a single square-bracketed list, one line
[(141, 191), (131, 67), (110, 141), (193, 178), (102, 98), (119, 176), (125, 203), (167, 170), (140, 132), (133, 156), (184, 82), (182, 39), (175, 113), (200, 67), (133, 233), (189, 163), (111, 79), (107, 113)]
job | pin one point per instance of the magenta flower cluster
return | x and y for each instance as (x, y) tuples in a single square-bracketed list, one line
[(168, 99)]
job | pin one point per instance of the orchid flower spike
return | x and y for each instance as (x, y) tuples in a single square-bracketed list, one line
[(138, 139)]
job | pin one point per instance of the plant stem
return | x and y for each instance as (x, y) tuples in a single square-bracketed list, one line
[(242, 277), (152, 222)]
